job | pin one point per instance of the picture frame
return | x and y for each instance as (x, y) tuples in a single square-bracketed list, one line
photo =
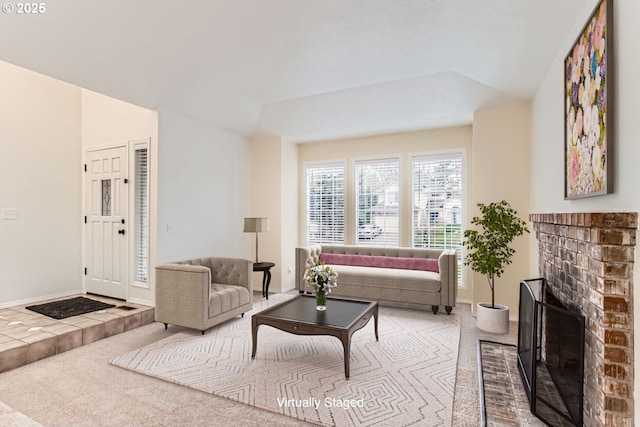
[(588, 112)]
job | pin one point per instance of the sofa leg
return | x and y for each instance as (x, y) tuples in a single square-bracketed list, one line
[(166, 326), (242, 315), (448, 308), (435, 308), (202, 332)]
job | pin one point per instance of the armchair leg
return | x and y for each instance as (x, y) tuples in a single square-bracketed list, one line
[(166, 326), (242, 315), (448, 308), (435, 308)]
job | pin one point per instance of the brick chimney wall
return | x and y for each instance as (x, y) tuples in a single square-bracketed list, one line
[(587, 260)]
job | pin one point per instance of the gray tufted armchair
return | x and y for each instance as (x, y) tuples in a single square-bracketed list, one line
[(203, 292)]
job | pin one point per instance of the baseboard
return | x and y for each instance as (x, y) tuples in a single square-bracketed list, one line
[(41, 298), (463, 301), (512, 317)]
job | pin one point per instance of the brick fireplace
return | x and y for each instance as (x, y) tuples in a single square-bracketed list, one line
[(587, 260)]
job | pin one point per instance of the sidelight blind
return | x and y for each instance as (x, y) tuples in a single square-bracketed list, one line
[(141, 201)]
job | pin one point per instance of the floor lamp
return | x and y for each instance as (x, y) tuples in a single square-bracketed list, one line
[(256, 225)]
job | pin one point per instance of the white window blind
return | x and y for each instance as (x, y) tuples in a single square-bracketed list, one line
[(378, 202), (437, 203), (141, 225), (325, 200)]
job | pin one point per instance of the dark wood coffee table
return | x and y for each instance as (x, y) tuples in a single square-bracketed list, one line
[(299, 316)]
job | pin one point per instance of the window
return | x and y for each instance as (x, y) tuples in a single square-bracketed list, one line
[(325, 203), (437, 204), (141, 216), (106, 197), (377, 202)]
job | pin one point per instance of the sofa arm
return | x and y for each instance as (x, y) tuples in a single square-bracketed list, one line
[(448, 266), (306, 257), (182, 294)]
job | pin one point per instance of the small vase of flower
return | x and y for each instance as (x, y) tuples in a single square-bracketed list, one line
[(321, 278)]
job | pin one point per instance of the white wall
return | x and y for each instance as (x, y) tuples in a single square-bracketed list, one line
[(547, 153), (203, 190), (107, 120), (501, 144), (40, 172), (274, 194), (289, 208), (266, 196)]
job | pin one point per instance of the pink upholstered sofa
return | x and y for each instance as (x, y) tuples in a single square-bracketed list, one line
[(410, 277)]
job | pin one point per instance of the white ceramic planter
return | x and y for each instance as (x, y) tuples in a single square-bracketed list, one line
[(494, 320)]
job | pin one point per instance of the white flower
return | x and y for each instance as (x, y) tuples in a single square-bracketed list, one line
[(321, 278), (595, 122), (596, 161), (586, 121), (585, 93)]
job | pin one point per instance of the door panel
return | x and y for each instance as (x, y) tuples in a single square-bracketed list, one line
[(107, 203)]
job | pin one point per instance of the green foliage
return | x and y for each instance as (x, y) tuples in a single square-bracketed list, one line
[(437, 236), (365, 203), (489, 247)]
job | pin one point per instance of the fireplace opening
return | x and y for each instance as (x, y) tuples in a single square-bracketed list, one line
[(550, 355)]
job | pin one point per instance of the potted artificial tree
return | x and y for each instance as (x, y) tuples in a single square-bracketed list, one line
[(498, 225)]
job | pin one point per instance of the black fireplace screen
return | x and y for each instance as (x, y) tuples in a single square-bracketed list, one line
[(550, 355)]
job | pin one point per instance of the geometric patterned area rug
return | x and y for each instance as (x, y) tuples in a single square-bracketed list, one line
[(407, 378)]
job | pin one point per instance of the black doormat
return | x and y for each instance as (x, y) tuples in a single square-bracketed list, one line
[(69, 307)]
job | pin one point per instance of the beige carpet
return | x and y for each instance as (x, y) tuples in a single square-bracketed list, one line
[(12, 418), (407, 378)]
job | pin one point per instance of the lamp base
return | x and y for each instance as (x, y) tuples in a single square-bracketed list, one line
[(256, 247)]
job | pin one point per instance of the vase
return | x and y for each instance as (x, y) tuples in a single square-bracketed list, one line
[(492, 319), (321, 300)]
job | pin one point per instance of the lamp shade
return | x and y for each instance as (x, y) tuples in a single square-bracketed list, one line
[(256, 225)]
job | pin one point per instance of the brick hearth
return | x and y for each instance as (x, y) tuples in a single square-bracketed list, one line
[(587, 260)]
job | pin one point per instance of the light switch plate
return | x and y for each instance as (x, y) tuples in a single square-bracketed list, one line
[(9, 213)]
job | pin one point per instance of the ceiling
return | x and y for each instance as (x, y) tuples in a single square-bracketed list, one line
[(300, 69)]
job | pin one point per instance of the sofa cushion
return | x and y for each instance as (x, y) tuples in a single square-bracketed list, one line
[(424, 264), (386, 284), (384, 277)]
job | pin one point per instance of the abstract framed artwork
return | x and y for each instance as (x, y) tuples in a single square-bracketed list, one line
[(588, 113)]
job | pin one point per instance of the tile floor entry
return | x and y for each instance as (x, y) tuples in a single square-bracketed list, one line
[(26, 336)]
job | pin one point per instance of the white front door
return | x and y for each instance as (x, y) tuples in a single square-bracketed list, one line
[(107, 222)]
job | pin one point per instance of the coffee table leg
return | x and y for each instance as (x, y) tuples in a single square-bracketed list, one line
[(375, 322), (254, 333), (346, 344)]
